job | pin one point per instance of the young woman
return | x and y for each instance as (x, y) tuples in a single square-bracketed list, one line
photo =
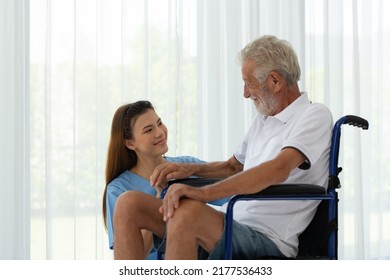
[(137, 145)]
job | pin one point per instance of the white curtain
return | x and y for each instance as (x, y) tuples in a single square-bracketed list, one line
[(346, 65), (14, 130), (87, 57)]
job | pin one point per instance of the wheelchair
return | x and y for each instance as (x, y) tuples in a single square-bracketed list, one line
[(319, 239)]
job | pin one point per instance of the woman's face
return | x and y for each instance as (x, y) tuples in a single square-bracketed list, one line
[(149, 135)]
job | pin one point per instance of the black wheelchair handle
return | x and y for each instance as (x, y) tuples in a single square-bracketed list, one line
[(356, 121)]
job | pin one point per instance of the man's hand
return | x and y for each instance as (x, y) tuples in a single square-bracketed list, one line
[(168, 171), (172, 198)]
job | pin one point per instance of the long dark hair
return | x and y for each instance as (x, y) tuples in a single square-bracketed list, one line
[(119, 157)]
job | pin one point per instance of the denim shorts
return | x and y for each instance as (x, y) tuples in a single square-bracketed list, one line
[(247, 244)]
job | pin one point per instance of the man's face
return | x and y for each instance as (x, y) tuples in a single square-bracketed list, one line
[(262, 97)]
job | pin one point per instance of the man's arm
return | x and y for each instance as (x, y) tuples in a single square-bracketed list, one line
[(253, 180), (170, 170), (256, 179)]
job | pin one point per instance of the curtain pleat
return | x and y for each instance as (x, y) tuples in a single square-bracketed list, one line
[(48, 147), (14, 129)]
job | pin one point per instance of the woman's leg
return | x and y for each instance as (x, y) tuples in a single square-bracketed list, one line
[(133, 212)]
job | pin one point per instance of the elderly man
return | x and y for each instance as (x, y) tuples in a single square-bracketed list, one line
[(288, 142)]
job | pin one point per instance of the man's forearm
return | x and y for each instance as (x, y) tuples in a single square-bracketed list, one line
[(171, 171), (257, 178), (220, 169)]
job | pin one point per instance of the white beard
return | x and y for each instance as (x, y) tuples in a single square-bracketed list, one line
[(266, 105)]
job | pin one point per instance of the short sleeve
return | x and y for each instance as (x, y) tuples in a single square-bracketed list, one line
[(241, 150), (113, 193), (312, 133)]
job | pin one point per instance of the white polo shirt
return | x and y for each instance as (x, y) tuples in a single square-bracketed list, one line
[(306, 127)]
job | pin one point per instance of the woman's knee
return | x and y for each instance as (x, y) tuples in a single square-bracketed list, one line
[(130, 199), (130, 203)]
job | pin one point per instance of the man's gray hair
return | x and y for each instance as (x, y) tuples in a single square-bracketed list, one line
[(272, 54)]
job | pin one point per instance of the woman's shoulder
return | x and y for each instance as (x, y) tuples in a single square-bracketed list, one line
[(184, 159), (129, 181)]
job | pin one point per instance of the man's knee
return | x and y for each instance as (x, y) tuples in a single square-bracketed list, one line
[(186, 216)]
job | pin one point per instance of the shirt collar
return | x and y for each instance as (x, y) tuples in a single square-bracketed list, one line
[(291, 109)]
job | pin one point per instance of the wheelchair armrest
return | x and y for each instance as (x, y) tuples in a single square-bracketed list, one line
[(290, 190), (193, 182), (280, 189), (274, 190), (282, 192)]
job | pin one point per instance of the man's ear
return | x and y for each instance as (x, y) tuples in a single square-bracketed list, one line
[(275, 81), (129, 144)]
